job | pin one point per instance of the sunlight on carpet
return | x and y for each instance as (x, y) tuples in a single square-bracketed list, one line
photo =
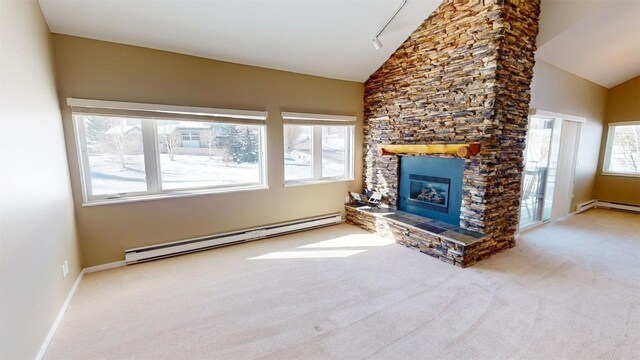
[(355, 240), (317, 254)]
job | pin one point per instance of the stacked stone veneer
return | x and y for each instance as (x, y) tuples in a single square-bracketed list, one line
[(428, 243), (462, 77)]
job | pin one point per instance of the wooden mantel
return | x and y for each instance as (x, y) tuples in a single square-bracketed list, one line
[(461, 150)]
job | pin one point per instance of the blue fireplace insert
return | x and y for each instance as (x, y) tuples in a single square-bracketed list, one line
[(431, 187)]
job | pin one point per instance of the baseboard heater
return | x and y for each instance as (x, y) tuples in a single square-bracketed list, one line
[(618, 206), (586, 206), (606, 205), (148, 253)]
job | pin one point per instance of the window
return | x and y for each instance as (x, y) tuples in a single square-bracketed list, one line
[(622, 154), (298, 148), (191, 139), (318, 147), (137, 151)]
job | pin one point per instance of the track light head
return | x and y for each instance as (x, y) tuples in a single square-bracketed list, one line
[(376, 43)]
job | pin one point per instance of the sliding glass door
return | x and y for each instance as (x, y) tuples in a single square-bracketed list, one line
[(547, 187), (539, 171)]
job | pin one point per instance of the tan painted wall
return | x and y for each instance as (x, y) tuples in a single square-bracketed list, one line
[(558, 16), (101, 70), (556, 90), (37, 223), (623, 104)]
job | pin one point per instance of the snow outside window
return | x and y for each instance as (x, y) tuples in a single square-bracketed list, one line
[(317, 153), (622, 154), (127, 157)]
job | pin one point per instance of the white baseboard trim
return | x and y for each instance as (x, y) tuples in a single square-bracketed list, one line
[(56, 322), (107, 266), (67, 301)]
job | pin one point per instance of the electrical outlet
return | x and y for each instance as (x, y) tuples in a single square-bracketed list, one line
[(346, 200), (65, 268)]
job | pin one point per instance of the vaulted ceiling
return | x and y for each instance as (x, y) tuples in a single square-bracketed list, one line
[(598, 40), (328, 38)]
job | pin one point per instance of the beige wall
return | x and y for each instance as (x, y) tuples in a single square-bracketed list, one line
[(107, 71), (623, 104), (37, 223), (556, 90)]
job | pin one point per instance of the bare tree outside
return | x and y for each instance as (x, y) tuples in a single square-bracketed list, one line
[(625, 152), (120, 139), (298, 152), (169, 138), (209, 137), (291, 138)]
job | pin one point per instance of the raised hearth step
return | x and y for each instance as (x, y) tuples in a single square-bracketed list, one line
[(434, 227)]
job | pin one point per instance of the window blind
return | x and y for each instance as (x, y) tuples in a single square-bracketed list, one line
[(168, 112), (292, 118)]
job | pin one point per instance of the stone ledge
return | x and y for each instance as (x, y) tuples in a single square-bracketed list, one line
[(454, 245)]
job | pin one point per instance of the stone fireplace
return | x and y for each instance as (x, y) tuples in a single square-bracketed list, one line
[(462, 77)]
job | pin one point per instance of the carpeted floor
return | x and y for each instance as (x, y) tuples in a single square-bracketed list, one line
[(569, 290)]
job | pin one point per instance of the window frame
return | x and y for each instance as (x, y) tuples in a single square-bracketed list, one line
[(317, 122), (149, 115), (609, 147)]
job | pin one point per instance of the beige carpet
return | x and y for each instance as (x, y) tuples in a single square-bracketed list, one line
[(569, 290)]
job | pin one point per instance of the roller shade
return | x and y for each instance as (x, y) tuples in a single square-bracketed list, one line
[(291, 118), (169, 112)]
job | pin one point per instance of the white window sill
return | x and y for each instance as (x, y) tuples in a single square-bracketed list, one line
[(172, 195), (619, 174), (294, 183)]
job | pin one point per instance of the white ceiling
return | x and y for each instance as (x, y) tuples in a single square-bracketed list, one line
[(596, 40), (328, 38)]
